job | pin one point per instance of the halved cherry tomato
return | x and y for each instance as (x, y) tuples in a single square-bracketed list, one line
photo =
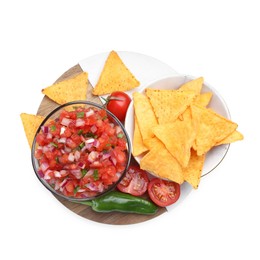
[(163, 193), (134, 182), (118, 103)]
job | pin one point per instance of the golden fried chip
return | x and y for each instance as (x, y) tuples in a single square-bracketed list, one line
[(30, 124), (235, 136), (68, 90), (178, 137), (152, 142), (212, 128), (168, 105), (203, 99), (138, 145), (162, 164), (194, 85), (145, 116), (115, 76), (192, 172)]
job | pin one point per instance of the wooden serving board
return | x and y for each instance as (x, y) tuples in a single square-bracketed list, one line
[(115, 218)]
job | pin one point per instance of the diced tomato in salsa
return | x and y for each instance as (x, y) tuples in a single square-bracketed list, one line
[(81, 153)]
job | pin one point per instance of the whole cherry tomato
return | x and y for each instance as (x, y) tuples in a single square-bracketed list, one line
[(117, 103)]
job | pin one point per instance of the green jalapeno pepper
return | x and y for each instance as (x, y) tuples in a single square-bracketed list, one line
[(122, 202)]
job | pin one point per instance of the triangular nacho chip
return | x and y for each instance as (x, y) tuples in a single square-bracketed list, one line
[(168, 105), (161, 163), (138, 145), (194, 85), (235, 136), (203, 99), (152, 142), (178, 137), (192, 172), (68, 90), (145, 116), (31, 123), (212, 128), (115, 76)]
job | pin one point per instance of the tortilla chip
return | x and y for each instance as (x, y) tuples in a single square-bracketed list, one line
[(68, 90), (212, 128), (235, 136), (115, 76), (161, 163), (138, 145), (192, 172), (152, 142), (145, 116), (31, 123), (178, 137), (203, 99), (168, 105), (194, 85)]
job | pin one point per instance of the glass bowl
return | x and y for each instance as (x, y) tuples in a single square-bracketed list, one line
[(80, 151)]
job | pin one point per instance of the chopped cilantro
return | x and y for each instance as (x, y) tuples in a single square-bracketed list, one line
[(80, 114), (83, 172), (95, 175), (90, 134), (53, 144), (80, 132), (53, 128), (81, 145), (76, 189), (120, 135)]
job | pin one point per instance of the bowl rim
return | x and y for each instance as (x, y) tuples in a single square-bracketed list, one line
[(111, 187)]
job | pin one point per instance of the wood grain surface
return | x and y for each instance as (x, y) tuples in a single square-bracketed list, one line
[(114, 218)]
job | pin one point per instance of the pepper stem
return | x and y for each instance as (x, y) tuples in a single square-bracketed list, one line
[(87, 202)]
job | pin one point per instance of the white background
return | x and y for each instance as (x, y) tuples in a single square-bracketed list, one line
[(215, 39)]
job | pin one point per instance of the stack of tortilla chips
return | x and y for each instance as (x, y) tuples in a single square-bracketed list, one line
[(174, 130)]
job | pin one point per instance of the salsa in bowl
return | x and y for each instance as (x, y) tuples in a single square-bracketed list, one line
[(80, 151)]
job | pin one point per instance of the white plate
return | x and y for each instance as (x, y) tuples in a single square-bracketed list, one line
[(215, 155)]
